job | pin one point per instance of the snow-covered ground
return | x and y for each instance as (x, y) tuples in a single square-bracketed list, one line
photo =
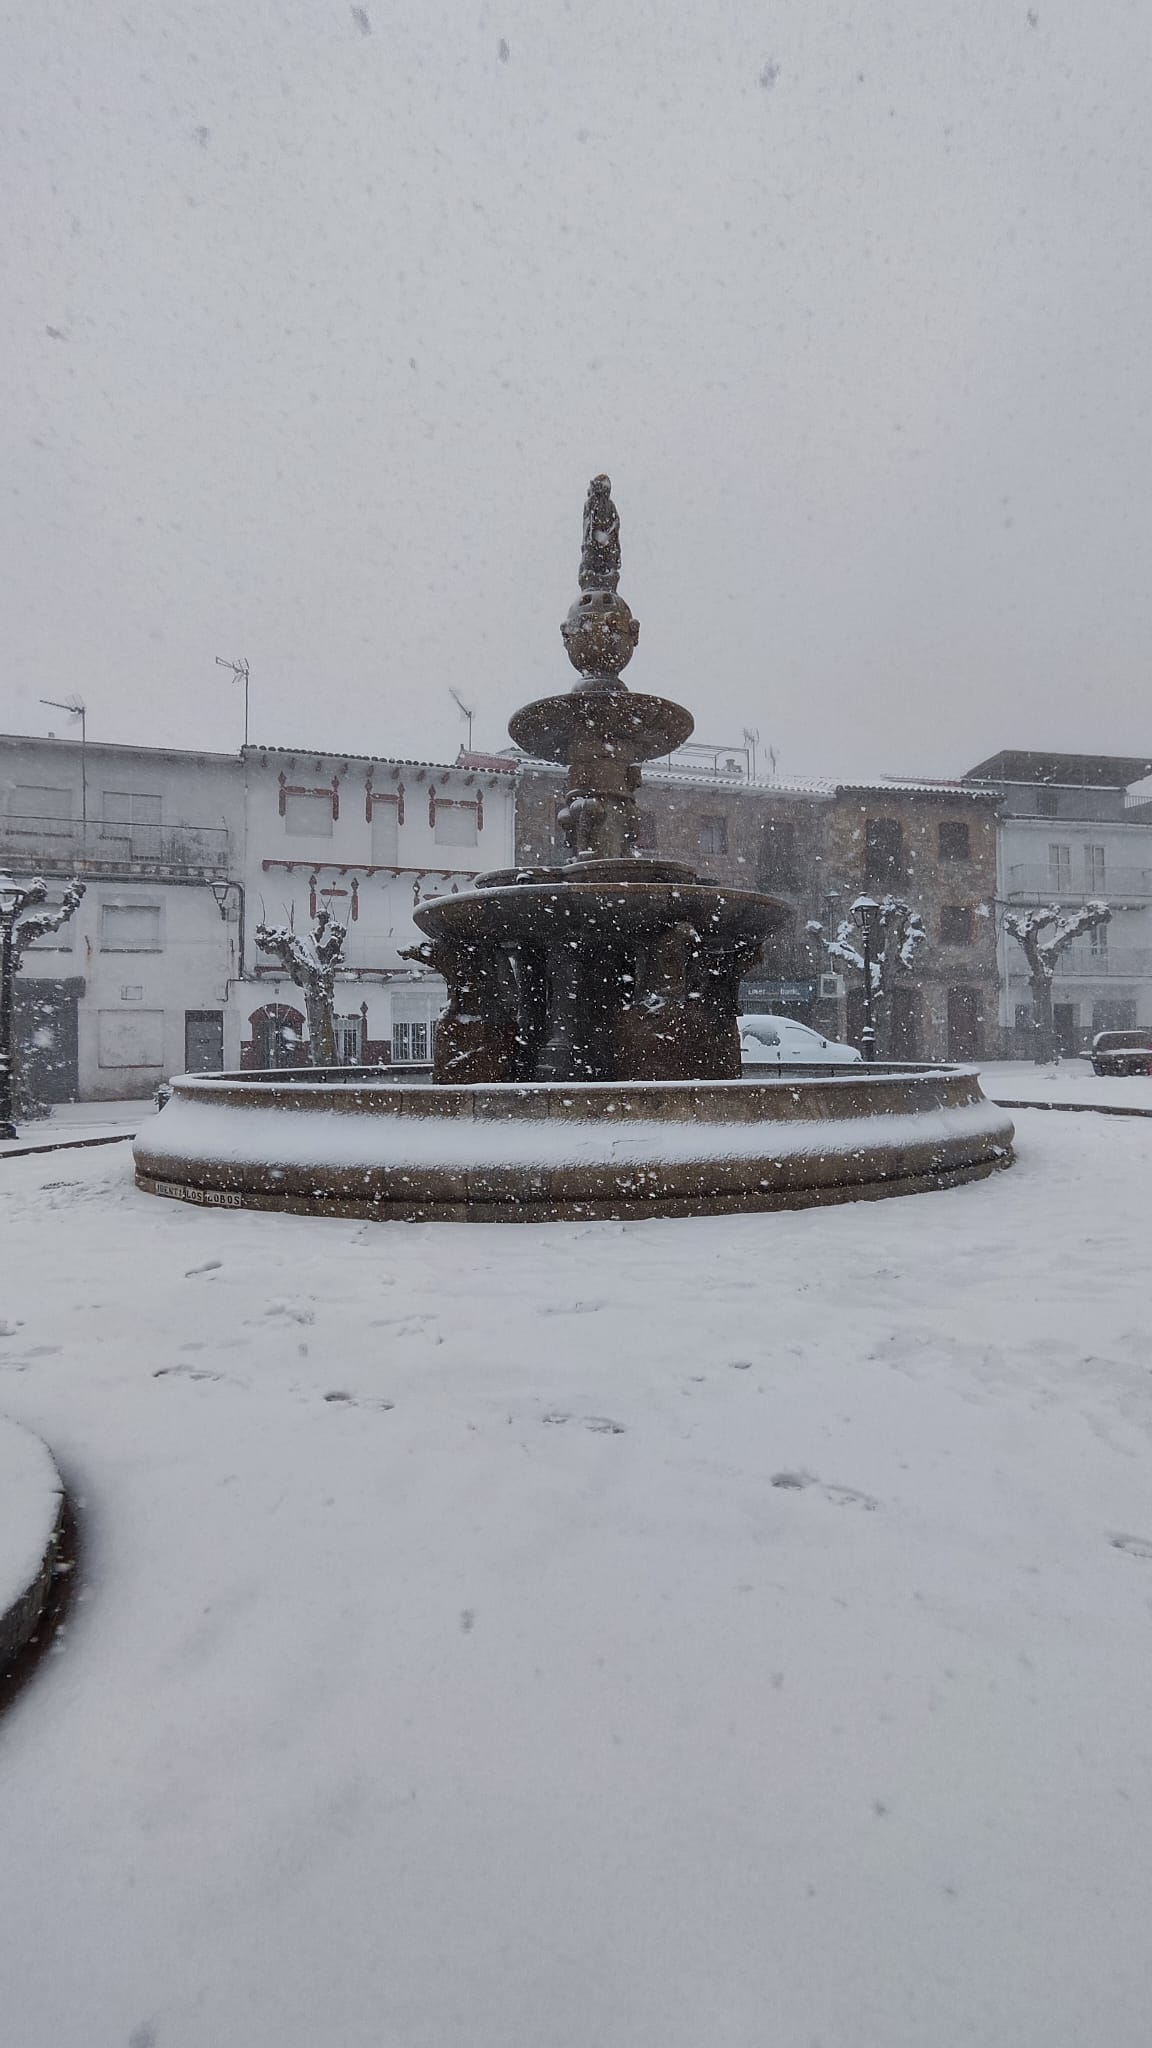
[(1064, 1081), (70, 1120), (731, 1632)]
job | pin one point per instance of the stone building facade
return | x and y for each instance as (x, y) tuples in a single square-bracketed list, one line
[(816, 845)]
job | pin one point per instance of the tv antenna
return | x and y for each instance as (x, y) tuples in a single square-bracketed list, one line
[(464, 711), (240, 671), (76, 708)]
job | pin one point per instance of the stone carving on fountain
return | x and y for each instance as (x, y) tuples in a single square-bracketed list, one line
[(612, 967)]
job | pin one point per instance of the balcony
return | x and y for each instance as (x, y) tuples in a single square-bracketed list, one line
[(53, 846), (1123, 963), (1047, 884)]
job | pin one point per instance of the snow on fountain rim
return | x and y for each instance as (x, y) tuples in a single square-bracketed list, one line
[(30, 1494), (243, 1134)]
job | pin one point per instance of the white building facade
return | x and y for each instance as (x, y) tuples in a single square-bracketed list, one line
[(370, 840), (1071, 832), (141, 982)]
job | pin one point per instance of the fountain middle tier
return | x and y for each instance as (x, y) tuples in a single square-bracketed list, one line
[(602, 971)]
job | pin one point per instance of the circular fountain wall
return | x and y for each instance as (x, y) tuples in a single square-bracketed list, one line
[(345, 1144)]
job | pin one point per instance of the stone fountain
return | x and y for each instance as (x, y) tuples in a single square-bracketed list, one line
[(612, 967), (588, 1061)]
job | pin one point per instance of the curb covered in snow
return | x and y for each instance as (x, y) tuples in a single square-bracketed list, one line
[(32, 1509)]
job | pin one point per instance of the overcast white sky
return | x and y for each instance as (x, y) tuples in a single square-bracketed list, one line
[(316, 320)]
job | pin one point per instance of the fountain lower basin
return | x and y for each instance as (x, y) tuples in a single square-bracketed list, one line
[(361, 1143)]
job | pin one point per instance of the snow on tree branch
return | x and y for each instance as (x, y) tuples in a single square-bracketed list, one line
[(31, 924), (1042, 936)]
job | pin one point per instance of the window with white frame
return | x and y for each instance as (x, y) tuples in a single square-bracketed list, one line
[(1059, 867), (308, 816), (411, 1042), (349, 1040), (1094, 867), (130, 928), (1098, 941)]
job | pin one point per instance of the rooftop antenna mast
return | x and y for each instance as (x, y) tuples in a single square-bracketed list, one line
[(464, 711), (76, 708), (240, 671)]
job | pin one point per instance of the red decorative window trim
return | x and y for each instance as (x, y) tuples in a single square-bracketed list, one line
[(332, 792), (383, 796), (456, 803)]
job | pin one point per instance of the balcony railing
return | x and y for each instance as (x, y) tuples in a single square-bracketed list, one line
[(1127, 963), (51, 845), (1072, 885)]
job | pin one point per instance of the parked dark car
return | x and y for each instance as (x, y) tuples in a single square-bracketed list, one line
[(1122, 1052)]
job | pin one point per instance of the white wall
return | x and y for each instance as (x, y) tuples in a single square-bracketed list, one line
[(148, 941), (372, 863), (1027, 875)]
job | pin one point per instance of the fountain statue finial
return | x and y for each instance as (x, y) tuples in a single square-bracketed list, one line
[(600, 554), (600, 633)]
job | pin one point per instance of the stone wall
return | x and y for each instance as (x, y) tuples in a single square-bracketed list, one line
[(816, 849)]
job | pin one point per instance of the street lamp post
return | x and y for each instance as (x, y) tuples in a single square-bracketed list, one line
[(866, 912)]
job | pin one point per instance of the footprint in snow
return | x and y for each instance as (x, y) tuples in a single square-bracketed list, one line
[(209, 1266), (570, 1308), (1133, 1546), (840, 1496), (338, 1399), (194, 1372), (601, 1425)]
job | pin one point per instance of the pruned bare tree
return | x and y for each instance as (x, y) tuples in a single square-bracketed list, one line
[(310, 959), (21, 924), (1042, 936), (902, 934)]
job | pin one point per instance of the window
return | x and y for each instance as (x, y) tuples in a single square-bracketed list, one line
[(713, 835), (130, 1038), (409, 1043), (1119, 1015), (956, 924), (385, 835), (646, 831), (349, 1040), (1060, 868), (130, 928), (456, 823), (1098, 941), (32, 801), (884, 850), (1047, 803), (124, 808), (779, 857), (1094, 868), (952, 842), (308, 816)]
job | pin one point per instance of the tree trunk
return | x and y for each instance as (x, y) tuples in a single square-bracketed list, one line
[(321, 1028), (1045, 1036)]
